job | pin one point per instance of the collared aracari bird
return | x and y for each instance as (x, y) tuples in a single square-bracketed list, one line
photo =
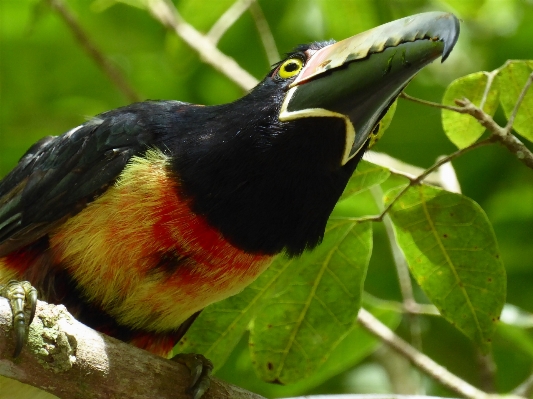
[(144, 215)]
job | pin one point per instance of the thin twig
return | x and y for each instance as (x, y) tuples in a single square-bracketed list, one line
[(399, 307), (422, 176), (399, 371), (487, 372), (498, 133), (525, 389), (265, 33), (423, 362), (400, 168), (448, 178), (430, 103), (418, 179), (490, 80), (113, 73), (404, 278), (227, 20), (368, 396), (165, 12)]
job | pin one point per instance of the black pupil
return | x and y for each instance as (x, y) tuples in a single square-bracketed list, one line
[(291, 66)]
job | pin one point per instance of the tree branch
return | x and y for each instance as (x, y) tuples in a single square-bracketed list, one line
[(91, 365), (402, 270), (227, 20), (423, 362), (416, 308), (401, 168), (265, 33), (422, 176), (368, 396), (165, 12), (113, 73), (499, 134), (525, 388)]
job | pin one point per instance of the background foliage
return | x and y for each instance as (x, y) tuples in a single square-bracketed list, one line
[(48, 85)]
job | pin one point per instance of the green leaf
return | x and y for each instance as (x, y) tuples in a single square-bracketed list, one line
[(463, 130), (511, 81), (314, 307), (452, 252), (357, 345), (220, 326), (365, 176), (383, 124), (353, 349)]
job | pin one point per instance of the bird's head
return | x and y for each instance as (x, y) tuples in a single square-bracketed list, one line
[(358, 78), (279, 158)]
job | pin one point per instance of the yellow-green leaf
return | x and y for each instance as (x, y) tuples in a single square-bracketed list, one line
[(221, 325), (314, 307), (511, 81), (383, 124), (365, 176), (463, 130), (452, 252)]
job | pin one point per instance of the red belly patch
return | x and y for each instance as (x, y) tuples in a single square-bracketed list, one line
[(141, 254)]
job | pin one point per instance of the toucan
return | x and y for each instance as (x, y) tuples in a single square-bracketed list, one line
[(142, 216)]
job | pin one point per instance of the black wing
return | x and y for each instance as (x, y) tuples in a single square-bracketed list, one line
[(59, 176)]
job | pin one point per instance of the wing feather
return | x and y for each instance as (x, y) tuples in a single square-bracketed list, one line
[(58, 176)]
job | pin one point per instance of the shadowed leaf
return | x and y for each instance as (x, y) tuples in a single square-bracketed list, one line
[(366, 175), (314, 307), (220, 326)]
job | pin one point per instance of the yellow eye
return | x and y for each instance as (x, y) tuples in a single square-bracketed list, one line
[(290, 68)]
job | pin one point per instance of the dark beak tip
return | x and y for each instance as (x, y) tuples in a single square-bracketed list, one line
[(451, 37)]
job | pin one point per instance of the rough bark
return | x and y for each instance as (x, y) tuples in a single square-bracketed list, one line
[(68, 359)]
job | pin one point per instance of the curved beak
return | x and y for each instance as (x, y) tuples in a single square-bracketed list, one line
[(358, 78)]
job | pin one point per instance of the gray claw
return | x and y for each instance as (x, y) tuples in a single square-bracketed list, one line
[(32, 299), (200, 368), (21, 295)]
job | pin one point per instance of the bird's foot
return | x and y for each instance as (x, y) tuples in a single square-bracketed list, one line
[(22, 296), (200, 368)]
